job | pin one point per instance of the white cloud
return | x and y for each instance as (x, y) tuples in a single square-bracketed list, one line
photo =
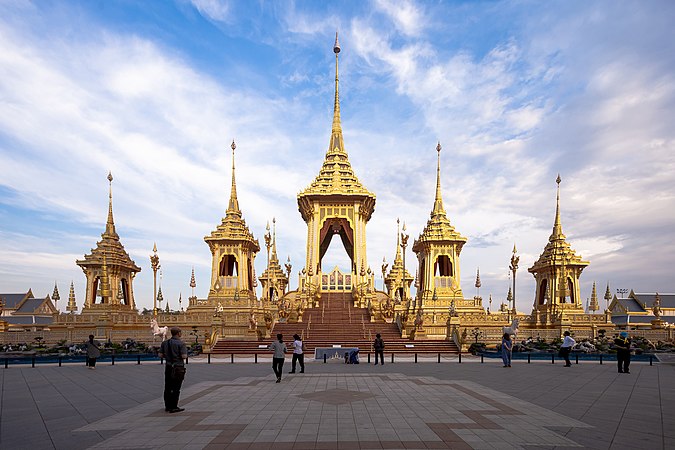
[(406, 15), (218, 10)]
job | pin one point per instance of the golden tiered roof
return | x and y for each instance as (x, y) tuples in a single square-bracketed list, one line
[(233, 227), (397, 272), (336, 177), (557, 251), (438, 228), (109, 250), (274, 270)]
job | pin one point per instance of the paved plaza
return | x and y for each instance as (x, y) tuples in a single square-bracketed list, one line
[(338, 406)]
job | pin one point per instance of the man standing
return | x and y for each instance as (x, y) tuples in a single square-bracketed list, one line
[(174, 352), (622, 344), (566, 348), (298, 354), (378, 346)]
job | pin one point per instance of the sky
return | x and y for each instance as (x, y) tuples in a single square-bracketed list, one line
[(516, 92)]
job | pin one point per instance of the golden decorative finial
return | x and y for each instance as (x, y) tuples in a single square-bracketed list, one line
[(438, 201), (557, 227), (154, 247), (72, 303), (398, 240), (110, 224), (336, 140), (514, 248), (233, 207)]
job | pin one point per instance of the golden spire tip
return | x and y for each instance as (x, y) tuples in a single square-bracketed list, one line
[(233, 145), (336, 47)]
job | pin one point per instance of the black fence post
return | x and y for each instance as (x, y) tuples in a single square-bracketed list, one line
[(6, 363), (552, 358), (439, 358), (231, 358), (324, 358), (577, 358), (32, 361), (651, 358), (392, 358), (481, 358), (138, 360), (600, 358), (255, 358), (415, 358), (187, 360), (112, 359), (528, 358), (460, 357), (161, 361), (208, 358), (368, 358)]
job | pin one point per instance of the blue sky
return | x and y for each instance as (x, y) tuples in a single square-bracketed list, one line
[(516, 92)]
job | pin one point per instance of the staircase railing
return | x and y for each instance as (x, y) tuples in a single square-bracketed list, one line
[(323, 310)]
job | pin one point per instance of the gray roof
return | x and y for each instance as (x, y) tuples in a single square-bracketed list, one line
[(630, 304), (27, 320), (667, 300), (623, 319), (12, 300), (30, 305)]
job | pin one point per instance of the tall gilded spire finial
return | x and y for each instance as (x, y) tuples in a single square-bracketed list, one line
[(557, 227), (110, 224), (438, 202), (274, 239), (398, 240), (233, 207), (336, 137)]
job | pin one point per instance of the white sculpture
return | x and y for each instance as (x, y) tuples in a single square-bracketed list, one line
[(159, 331), (513, 329)]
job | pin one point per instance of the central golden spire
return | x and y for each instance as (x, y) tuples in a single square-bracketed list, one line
[(336, 140)]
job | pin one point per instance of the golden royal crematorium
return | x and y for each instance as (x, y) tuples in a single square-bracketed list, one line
[(329, 306)]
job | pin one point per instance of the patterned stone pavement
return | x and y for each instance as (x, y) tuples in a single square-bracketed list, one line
[(338, 411), (335, 406)]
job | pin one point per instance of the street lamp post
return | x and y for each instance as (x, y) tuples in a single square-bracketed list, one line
[(154, 263)]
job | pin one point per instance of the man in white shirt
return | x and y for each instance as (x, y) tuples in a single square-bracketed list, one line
[(566, 348), (298, 354)]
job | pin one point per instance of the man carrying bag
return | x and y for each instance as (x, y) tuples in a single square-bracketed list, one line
[(174, 352)]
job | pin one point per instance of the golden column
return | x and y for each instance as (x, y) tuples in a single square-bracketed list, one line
[(154, 263)]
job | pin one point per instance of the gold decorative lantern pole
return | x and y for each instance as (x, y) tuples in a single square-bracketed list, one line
[(288, 267), (154, 263), (514, 267), (404, 244), (268, 244), (384, 271)]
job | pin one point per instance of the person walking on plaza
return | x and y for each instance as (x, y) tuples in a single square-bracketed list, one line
[(298, 354), (507, 347), (378, 346), (92, 352), (174, 352), (566, 348), (622, 344), (279, 349)]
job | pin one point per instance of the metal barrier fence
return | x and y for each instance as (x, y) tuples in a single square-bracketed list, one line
[(414, 357)]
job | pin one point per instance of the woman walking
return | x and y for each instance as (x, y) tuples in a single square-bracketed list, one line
[(507, 347), (92, 352), (279, 349)]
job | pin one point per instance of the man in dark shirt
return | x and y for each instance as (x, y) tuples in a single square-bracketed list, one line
[(622, 344), (174, 352)]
